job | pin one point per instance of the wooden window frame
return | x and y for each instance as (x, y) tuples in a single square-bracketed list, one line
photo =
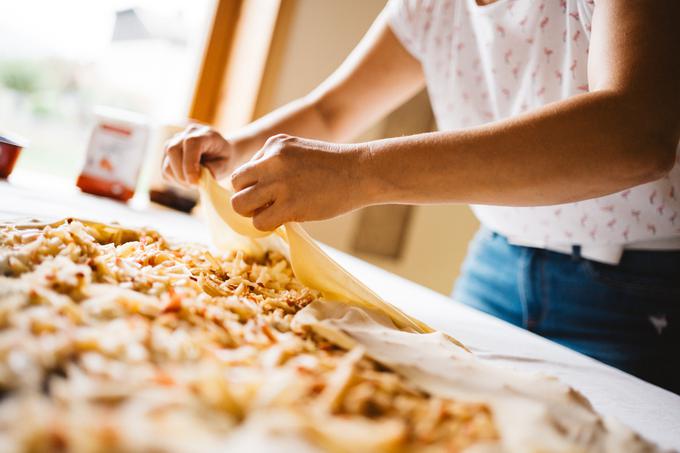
[(234, 62), (215, 59)]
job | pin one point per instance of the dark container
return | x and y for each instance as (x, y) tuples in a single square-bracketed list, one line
[(9, 153)]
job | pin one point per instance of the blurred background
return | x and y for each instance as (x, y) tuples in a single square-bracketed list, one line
[(58, 59), (223, 62)]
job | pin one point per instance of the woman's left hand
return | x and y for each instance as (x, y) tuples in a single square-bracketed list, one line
[(294, 179)]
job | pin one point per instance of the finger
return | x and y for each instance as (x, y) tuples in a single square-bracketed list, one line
[(252, 199), (245, 176), (268, 219), (191, 158), (167, 169), (174, 154), (178, 138)]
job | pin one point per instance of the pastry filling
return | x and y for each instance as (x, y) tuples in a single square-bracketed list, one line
[(117, 339)]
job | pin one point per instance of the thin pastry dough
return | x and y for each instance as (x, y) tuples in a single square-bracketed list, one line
[(312, 266)]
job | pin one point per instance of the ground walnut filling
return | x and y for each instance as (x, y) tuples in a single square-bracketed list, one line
[(116, 340)]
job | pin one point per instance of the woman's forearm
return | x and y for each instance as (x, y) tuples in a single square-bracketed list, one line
[(584, 147), (301, 118), (376, 77)]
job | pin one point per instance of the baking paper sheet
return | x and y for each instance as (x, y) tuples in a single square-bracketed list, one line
[(533, 413), (311, 265)]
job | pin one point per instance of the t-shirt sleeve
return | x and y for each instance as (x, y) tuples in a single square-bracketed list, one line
[(409, 22)]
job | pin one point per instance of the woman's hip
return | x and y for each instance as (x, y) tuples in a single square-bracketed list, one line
[(626, 315)]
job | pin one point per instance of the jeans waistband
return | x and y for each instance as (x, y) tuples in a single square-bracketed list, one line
[(605, 253)]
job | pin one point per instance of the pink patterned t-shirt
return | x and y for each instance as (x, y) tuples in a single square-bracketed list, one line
[(486, 63)]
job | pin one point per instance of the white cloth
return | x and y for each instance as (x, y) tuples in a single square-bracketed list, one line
[(486, 63)]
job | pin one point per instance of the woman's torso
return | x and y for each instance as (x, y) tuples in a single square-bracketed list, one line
[(486, 63)]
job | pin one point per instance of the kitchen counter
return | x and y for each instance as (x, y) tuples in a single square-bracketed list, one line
[(650, 410)]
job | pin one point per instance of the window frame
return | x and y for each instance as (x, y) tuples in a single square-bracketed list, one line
[(234, 62)]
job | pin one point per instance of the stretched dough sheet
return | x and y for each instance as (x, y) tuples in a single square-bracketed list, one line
[(312, 266), (533, 413)]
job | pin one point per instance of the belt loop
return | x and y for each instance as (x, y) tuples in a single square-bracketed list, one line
[(575, 252)]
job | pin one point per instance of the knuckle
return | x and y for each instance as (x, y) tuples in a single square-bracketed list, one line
[(279, 153), (174, 152), (193, 140), (275, 155)]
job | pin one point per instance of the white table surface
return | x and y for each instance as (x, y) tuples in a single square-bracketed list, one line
[(650, 410)]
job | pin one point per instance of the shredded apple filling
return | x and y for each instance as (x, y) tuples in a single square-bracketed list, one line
[(116, 340)]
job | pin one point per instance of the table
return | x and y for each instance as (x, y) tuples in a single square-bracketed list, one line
[(650, 410)]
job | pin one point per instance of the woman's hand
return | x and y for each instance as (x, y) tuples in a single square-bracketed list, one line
[(195, 146), (296, 179)]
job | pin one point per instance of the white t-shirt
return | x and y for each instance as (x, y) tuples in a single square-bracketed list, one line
[(486, 63)]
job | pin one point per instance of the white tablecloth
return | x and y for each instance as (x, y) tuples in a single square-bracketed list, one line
[(650, 410)]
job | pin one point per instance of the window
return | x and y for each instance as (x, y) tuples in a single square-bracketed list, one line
[(60, 59)]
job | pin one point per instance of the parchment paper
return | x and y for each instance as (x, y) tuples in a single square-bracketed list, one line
[(312, 266), (533, 412)]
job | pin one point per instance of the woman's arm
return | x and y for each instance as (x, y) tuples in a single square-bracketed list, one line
[(623, 133), (375, 78)]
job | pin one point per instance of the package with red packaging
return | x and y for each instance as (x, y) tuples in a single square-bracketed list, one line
[(115, 154)]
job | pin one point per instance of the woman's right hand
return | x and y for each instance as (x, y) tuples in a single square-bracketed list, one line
[(195, 146)]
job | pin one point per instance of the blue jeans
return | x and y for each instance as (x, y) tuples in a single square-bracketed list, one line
[(627, 316)]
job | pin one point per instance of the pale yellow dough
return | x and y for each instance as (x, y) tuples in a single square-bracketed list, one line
[(533, 413), (312, 266)]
